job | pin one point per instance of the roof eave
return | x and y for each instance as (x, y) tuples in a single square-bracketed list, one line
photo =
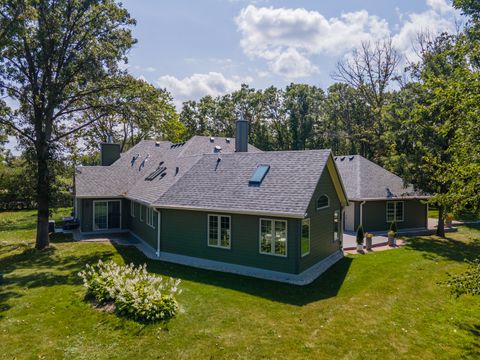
[(232, 211), (420, 197)]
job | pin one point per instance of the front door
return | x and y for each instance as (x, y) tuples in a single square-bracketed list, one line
[(107, 215)]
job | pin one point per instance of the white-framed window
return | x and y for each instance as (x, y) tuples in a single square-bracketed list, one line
[(132, 208), (395, 211), (336, 225), (305, 241), (150, 217), (273, 237), (141, 212), (323, 202), (219, 231)]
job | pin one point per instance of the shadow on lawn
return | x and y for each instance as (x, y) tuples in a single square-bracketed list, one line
[(448, 248), (43, 268), (326, 286)]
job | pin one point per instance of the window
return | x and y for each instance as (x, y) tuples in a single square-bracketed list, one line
[(151, 217), (323, 202), (258, 175), (132, 208), (106, 215), (273, 237), (394, 211), (336, 225), (305, 237), (141, 212), (219, 231)]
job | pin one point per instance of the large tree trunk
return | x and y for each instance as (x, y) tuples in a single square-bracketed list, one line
[(441, 222), (43, 199)]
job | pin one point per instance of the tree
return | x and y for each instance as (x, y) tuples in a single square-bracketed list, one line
[(303, 106), (59, 54), (144, 113), (370, 69)]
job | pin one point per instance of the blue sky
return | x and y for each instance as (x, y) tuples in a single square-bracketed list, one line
[(195, 48)]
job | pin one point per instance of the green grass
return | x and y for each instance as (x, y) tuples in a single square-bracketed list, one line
[(465, 216), (385, 305)]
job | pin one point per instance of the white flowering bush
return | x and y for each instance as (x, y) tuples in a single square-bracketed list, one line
[(135, 292)]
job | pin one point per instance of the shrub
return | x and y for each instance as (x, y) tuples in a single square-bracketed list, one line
[(135, 293), (360, 235), (393, 227)]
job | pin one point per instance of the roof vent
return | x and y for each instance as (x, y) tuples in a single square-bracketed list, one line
[(217, 148), (227, 140), (177, 169), (142, 164), (258, 175), (342, 158), (173, 146), (157, 143), (351, 158), (134, 158), (212, 139)]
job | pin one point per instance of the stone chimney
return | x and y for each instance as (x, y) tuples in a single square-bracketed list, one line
[(109, 152), (241, 134)]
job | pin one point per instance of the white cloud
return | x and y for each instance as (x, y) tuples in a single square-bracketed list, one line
[(440, 17), (292, 64), (280, 35), (198, 85), (288, 38)]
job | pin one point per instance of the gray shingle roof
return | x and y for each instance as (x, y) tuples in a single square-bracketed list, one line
[(363, 179), (223, 186), (123, 178)]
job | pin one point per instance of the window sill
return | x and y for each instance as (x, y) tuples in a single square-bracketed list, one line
[(271, 254), (219, 247)]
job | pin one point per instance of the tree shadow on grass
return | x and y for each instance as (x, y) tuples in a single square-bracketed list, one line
[(473, 350), (43, 269), (324, 287), (434, 247)]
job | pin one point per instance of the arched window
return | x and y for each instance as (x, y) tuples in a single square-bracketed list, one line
[(323, 202)]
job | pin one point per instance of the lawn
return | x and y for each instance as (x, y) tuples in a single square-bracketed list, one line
[(385, 305)]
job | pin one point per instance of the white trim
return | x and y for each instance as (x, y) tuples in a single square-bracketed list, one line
[(394, 202), (93, 215), (339, 222), (232, 211), (400, 198), (301, 238), (323, 207), (149, 217), (100, 197), (273, 237), (219, 220)]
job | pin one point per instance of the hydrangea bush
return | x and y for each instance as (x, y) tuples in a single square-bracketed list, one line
[(135, 292)]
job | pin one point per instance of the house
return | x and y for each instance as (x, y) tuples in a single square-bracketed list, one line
[(220, 204), (378, 197)]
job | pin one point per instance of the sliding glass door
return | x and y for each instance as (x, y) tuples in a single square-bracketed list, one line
[(106, 215)]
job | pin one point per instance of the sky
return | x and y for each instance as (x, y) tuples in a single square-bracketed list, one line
[(195, 48), (210, 47)]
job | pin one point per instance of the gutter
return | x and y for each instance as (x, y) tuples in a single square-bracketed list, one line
[(159, 229), (399, 198), (361, 212), (232, 211)]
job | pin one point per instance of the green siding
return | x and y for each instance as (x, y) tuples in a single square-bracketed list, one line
[(140, 228), (185, 232), (321, 224), (375, 215)]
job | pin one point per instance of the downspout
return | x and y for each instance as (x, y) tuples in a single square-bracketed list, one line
[(361, 212), (159, 228)]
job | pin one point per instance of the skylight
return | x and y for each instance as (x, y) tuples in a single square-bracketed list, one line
[(258, 175)]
